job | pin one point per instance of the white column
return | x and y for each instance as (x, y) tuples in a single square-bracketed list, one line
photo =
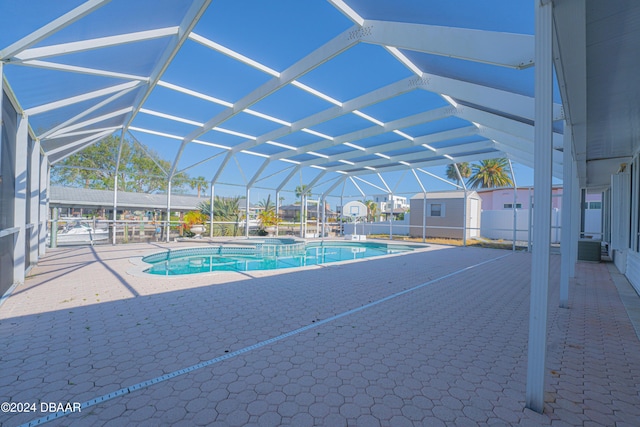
[(277, 213), (303, 203), (34, 201), (341, 215), (20, 198), (515, 206), (323, 200), (542, 201), (391, 219), (464, 220), (424, 217), (567, 214), (43, 205), (211, 210), (115, 208), (168, 225), (575, 225), (246, 214)]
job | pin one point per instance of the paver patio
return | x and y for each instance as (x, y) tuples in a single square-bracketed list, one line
[(452, 352)]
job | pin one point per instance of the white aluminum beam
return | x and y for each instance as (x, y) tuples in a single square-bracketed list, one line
[(504, 124), (347, 11), (53, 161), (288, 178), (62, 129), (489, 47), (82, 70), (82, 132), (329, 50), (384, 93), (189, 21), (78, 142), (232, 54), (90, 44), (80, 98), (417, 165), (95, 120), (451, 151), (397, 145), (377, 187), (491, 98), (51, 28), (420, 118)]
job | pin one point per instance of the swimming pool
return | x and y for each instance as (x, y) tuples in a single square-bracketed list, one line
[(270, 254)]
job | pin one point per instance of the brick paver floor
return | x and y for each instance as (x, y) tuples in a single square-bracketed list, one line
[(318, 346)]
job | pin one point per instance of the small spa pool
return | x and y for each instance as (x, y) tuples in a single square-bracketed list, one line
[(268, 254)]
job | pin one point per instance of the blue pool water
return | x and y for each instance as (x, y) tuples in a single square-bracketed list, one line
[(209, 259)]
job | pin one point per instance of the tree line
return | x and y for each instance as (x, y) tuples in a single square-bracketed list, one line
[(141, 170)]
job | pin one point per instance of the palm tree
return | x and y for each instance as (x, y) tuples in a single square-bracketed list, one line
[(266, 204), (302, 193), (372, 210), (225, 209), (465, 171), (490, 173), (200, 183)]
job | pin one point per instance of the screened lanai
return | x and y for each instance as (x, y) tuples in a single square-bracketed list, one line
[(331, 96)]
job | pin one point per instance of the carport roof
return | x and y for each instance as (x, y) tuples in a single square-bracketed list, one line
[(258, 92)]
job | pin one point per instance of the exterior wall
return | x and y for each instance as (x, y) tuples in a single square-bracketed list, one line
[(451, 224), (20, 196), (495, 199)]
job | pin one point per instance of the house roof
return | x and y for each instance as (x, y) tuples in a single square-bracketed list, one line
[(458, 194), (85, 197)]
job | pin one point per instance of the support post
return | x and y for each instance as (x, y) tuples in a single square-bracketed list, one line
[(515, 206), (530, 221), (43, 207), (391, 219), (246, 213), (323, 200), (567, 211), (34, 202), (341, 215), (464, 222), (211, 211), (543, 147), (115, 207), (277, 213), (318, 217), (168, 225), (20, 198), (302, 205), (575, 225), (424, 217)]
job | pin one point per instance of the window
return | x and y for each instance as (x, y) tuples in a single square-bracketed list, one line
[(436, 209), (510, 206), (595, 205)]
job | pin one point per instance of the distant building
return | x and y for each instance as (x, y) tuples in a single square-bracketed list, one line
[(445, 214), (387, 203), (292, 212)]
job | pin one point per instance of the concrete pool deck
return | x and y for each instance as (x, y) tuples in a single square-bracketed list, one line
[(315, 346)]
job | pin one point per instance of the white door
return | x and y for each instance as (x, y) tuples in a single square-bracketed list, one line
[(474, 229)]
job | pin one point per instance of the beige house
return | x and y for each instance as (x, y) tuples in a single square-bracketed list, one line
[(444, 215)]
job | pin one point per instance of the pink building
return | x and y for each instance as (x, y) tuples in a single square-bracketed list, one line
[(502, 198)]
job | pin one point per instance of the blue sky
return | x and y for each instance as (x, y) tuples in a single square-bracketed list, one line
[(276, 34)]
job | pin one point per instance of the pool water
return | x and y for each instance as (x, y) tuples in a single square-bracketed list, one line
[(182, 262)]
